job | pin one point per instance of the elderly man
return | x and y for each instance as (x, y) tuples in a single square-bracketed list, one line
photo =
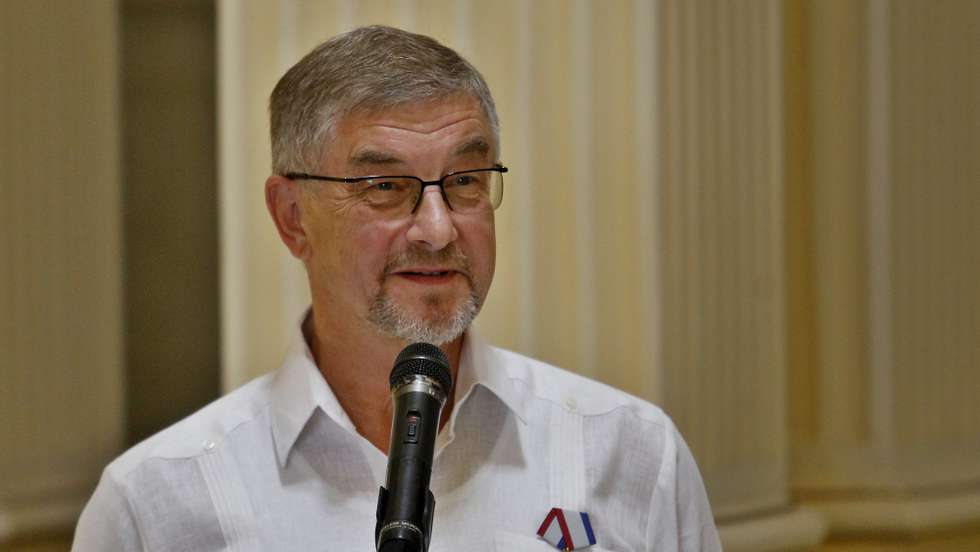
[(385, 149)]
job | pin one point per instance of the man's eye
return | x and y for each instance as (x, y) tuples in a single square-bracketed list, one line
[(386, 192), (464, 180), (385, 185)]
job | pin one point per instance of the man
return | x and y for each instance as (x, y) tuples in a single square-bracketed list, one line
[(293, 460)]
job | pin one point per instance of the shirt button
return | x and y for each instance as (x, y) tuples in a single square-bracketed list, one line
[(571, 403), (208, 445)]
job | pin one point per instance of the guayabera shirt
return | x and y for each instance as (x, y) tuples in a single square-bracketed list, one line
[(278, 465)]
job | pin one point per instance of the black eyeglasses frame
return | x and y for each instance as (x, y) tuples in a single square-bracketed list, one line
[(442, 190)]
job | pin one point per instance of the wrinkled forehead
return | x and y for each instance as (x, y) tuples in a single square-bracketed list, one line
[(422, 116), (455, 126)]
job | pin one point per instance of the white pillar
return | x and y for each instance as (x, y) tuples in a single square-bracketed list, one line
[(720, 243), (909, 461), (60, 245), (892, 447)]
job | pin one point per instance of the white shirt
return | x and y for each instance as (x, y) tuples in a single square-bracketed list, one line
[(277, 465)]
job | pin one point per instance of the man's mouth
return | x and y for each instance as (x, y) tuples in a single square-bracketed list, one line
[(423, 273), (428, 268), (428, 276)]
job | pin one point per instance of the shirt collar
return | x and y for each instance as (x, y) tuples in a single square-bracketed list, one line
[(298, 388), (481, 364)]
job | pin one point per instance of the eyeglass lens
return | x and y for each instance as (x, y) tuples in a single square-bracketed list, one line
[(467, 192)]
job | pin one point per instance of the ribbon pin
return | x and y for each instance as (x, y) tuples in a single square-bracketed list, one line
[(567, 530)]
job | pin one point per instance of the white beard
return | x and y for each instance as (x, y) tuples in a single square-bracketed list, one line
[(391, 319)]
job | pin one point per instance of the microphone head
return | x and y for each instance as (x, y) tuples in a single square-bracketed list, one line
[(423, 359)]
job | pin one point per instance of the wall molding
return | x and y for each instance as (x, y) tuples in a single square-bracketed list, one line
[(865, 469), (789, 531), (50, 515), (909, 516)]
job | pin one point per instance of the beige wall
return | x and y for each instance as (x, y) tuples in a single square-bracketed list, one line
[(108, 278), (883, 265), (61, 367), (171, 211)]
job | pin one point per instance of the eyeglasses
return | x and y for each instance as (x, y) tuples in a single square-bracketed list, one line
[(465, 192)]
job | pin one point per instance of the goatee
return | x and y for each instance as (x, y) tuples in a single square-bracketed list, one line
[(437, 324), (438, 328)]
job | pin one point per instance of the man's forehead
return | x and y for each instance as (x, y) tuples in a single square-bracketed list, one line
[(424, 117), (377, 136)]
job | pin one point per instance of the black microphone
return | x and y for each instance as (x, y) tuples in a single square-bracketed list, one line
[(420, 383)]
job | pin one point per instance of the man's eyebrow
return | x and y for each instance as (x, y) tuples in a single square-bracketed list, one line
[(373, 157), (474, 145)]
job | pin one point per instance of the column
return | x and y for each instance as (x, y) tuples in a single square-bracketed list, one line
[(60, 245), (886, 442), (721, 248)]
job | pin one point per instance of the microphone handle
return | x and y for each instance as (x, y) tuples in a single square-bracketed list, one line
[(405, 545), (405, 504)]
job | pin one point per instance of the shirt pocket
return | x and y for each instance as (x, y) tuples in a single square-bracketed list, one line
[(513, 542)]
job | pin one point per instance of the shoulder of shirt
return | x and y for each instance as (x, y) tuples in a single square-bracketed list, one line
[(202, 430), (573, 392)]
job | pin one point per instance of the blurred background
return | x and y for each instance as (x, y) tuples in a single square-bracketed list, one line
[(762, 215)]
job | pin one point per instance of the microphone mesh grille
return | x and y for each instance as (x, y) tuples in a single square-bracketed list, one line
[(422, 359)]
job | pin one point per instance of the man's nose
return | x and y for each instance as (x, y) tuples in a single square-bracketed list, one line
[(432, 223)]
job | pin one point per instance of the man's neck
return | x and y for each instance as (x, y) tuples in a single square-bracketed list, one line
[(356, 365)]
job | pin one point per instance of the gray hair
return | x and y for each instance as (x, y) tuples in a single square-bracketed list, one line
[(373, 67)]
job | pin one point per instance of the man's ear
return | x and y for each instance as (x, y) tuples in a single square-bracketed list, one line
[(282, 197)]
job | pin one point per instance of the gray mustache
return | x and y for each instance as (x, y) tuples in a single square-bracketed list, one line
[(449, 257)]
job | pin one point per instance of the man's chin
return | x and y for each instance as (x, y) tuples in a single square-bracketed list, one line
[(431, 320)]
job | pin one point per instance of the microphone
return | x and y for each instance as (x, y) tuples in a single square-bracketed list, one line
[(420, 383)]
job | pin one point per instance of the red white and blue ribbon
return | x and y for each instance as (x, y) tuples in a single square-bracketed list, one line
[(567, 529)]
